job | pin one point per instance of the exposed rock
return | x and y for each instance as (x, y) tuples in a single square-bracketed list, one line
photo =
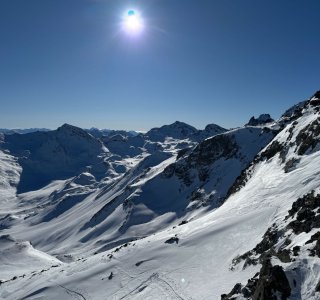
[(315, 100), (284, 255), (272, 150), (272, 280), (294, 112), (241, 180), (269, 239), (172, 240), (306, 217), (261, 120), (291, 164), (265, 285), (296, 250), (211, 149), (236, 290), (308, 137), (318, 287), (183, 222), (314, 238), (317, 248)]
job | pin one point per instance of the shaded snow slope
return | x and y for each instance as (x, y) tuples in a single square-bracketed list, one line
[(58, 154)]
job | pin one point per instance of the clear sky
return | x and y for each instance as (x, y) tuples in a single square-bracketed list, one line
[(197, 61)]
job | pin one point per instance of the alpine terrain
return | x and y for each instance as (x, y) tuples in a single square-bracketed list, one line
[(173, 213)]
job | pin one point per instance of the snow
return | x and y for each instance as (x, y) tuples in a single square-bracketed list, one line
[(85, 227)]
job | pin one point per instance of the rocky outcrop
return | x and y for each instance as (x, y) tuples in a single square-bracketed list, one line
[(270, 283), (303, 217), (261, 120)]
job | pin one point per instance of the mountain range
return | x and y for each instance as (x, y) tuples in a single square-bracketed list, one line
[(173, 213)]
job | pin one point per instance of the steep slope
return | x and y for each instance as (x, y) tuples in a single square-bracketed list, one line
[(289, 247)]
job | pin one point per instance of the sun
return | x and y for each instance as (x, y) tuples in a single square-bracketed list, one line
[(132, 22)]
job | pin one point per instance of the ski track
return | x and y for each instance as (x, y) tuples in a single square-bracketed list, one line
[(160, 283), (72, 292)]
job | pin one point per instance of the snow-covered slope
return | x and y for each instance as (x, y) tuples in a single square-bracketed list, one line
[(235, 215), (58, 154)]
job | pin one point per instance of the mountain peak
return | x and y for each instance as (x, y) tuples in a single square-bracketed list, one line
[(261, 120), (73, 130), (67, 126), (177, 129)]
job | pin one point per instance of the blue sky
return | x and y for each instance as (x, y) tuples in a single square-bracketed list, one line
[(206, 61)]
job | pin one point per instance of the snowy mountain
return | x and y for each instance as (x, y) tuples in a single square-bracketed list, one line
[(22, 131), (99, 133), (58, 154), (178, 130), (175, 213)]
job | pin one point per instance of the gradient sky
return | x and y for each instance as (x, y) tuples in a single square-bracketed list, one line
[(198, 61)]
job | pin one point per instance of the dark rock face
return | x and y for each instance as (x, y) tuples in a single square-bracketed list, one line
[(210, 131), (308, 137), (274, 148), (296, 250), (318, 287), (317, 248), (261, 120), (210, 150), (241, 180), (172, 240), (306, 218), (265, 285), (272, 279), (201, 157), (290, 164), (315, 100), (294, 112), (269, 239), (305, 215), (236, 290), (317, 95)]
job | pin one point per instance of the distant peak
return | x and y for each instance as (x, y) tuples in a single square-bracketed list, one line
[(179, 130), (73, 130), (214, 127), (67, 126), (179, 124), (261, 120)]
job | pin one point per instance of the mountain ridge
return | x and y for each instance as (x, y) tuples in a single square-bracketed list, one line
[(142, 215)]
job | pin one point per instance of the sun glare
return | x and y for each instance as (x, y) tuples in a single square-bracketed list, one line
[(133, 23)]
